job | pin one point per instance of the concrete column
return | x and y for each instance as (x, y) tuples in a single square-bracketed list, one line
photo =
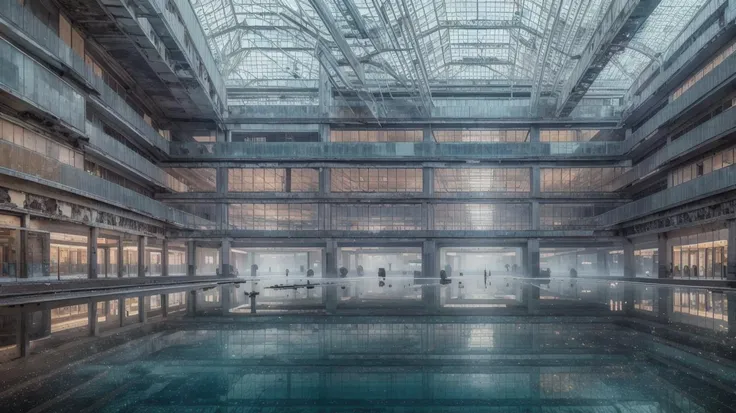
[(142, 242), (106, 258), (226, 298), (228, 136), (165, 257), (25, 264), (430, 260), (535, 223), (330, 270), (251, 263), (325, 103), (532, 247), (191, 259), (731, 260), (602, 263), (142, 314), (663, 256), (534, 134), (535, 184), (94, 328), (287, 180), (92, 267), (121, 254), (225, 257), (629, 263), (524, 261), (428, 181), (427, 135)]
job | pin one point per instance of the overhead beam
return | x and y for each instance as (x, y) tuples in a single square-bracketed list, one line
[(337, 36), (622, 20)]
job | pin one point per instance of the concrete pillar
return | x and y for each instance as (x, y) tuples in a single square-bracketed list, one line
[(164, 305), (25, 265), (430, 260), (330, 271), (663, 256), (525, 261), (226, 298), (534, 134), (191, 259), (428, 181), (121, 255), (629, 263), (731, 260), (225, 257), (287, 180), (535, 223), (345, 258), (94, 328), (142, 313), (427, 135), (532, 248), (325, 103), (251, 262), (536, 182), (165, 257), (92, 267), (106, 258), (602, 263), (142, 242)]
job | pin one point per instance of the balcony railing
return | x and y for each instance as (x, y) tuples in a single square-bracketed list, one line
[(118, 151), (713, 183), (381, 151), (18, 161), (23, 20), (32, 82)]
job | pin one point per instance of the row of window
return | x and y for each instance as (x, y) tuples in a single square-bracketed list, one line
[(35, 142), (721, 159), (408, 180), (712, 64), (463, 135)]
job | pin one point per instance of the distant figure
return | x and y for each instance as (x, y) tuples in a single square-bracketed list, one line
[(360, 270), (508, 268), (443, 278), (573, 273), (343, 272), (310, 273), (287, 272)]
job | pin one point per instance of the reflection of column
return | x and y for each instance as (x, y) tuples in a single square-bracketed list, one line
[(142, 315), (731, 261), (191, 259), (629, 266), (165, 257), (106, 257), (23, 333), (663, 256), (94, 328), (92, 267), (602, 263), (330, 271), (141, 256)]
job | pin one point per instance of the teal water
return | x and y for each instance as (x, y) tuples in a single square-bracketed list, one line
[(390, 366)]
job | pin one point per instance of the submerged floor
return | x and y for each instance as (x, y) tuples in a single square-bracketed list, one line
[(388, 364)]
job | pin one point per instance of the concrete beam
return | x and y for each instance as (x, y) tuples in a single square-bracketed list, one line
[(622, 20)]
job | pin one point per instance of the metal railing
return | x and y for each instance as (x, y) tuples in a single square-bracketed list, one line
[(250, 151), (120, 152), (715, 128), (29, 80), (702, 88), (23, 20), (26, 164), (715, 182)]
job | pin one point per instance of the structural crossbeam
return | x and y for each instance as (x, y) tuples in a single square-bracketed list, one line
[(622, 20)]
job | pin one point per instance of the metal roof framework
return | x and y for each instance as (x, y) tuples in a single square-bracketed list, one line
[(378, 49)]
